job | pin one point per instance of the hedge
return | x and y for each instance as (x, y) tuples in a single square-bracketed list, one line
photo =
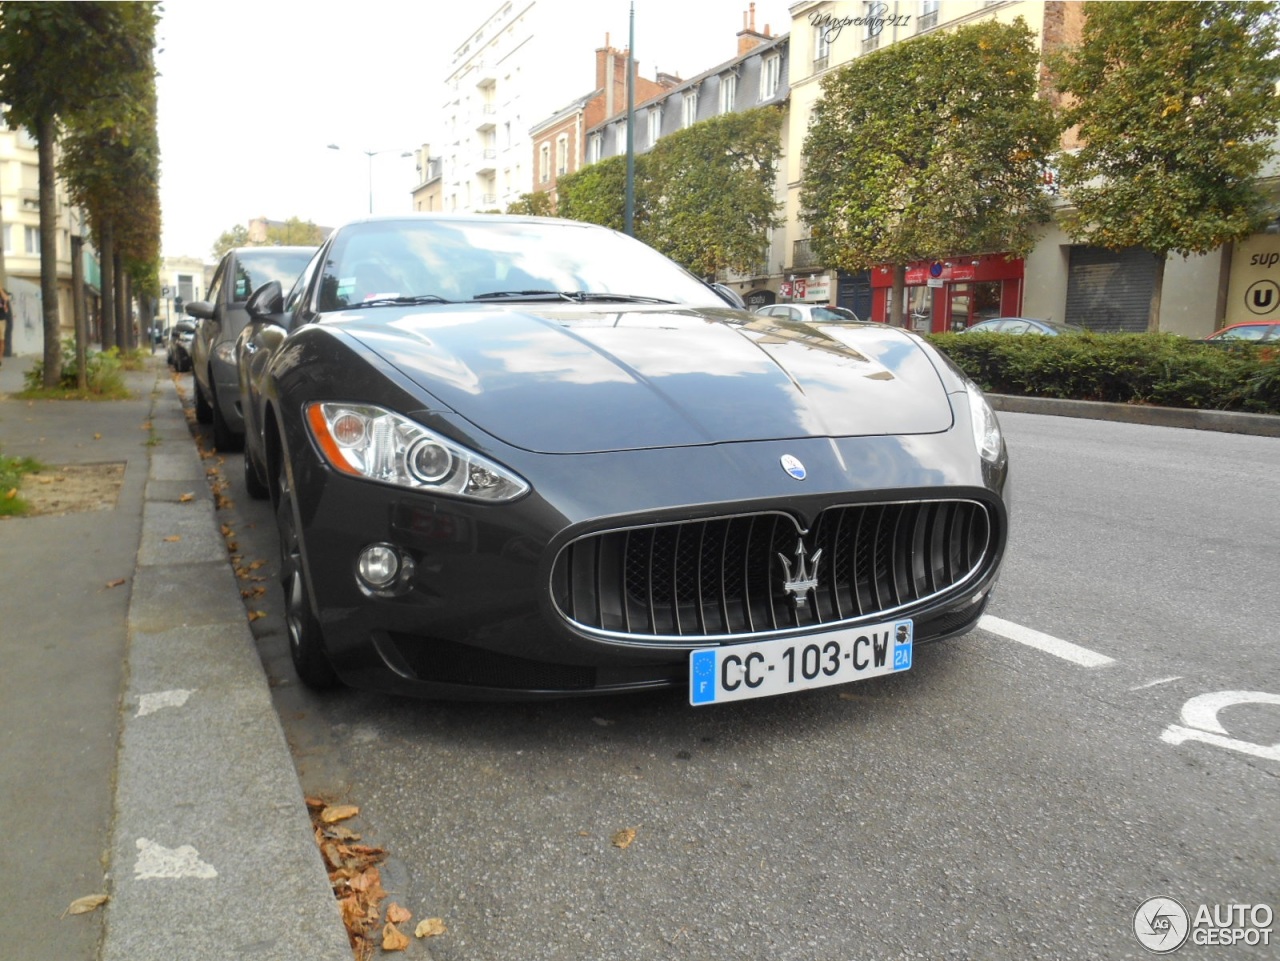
[(1160, 369)]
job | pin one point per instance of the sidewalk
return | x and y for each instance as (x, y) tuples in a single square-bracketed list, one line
[(140, 755)]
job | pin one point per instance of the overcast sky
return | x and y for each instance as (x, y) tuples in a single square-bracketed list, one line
[(251, 94)]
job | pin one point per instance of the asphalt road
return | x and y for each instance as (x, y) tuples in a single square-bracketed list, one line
[(999, 801)]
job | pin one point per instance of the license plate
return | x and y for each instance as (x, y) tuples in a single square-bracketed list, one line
[(737, 672)]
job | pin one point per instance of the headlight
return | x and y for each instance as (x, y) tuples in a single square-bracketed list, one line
[(986, 429), (375, 444)]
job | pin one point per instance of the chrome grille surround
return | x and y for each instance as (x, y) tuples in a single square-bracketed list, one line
[(723, 578)]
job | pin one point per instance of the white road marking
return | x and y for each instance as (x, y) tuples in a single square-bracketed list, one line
[(1163, 680), (150, 703), (1201, 715), (156, 861), (1044, 642)]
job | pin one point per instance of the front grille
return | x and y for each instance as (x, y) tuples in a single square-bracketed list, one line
[(729, 576)]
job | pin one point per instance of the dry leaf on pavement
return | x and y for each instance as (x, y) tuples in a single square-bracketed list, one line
[(392, 939), (256, 615), (173, 538), (338, 812), (624, 838), (186, 498), (430, 928), (117, 582), (397, 914), (86, 904)]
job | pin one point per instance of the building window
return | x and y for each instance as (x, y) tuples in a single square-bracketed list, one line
[(595, 147), (821, 48), (928, 16), (770, 71), (31, 236), (728, 92), (544, 162), (562, 155), (690, 109), (655, 125), (871, 10)]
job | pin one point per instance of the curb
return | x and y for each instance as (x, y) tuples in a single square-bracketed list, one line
[(1226, 421), (212, 851)]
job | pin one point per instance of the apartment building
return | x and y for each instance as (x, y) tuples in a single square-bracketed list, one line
[(20, 211), (757, 76)]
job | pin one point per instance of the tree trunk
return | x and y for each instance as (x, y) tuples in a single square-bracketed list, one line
[(898, 296), (6, 334), (78, 309), (45, 136), (124, 323), (1157, 290), (106, 257)]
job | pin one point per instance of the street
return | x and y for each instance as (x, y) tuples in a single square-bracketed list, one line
[(1111, 735)]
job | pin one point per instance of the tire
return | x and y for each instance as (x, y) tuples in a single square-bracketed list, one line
[(306, 640), (224, 438), (252, 480), (204, 413)]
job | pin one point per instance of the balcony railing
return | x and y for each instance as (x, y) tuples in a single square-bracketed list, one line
[(802, 255), (820, 63), (927, 21)]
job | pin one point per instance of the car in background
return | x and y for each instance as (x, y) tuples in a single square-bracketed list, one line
[(220, 318), (809, 313), (525, 457), (178, 345), (1247, 331), (1023, 325)]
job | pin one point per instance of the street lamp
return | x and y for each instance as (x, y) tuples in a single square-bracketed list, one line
[(371, 154)]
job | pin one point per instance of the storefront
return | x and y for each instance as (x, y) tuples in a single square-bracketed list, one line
[(947, 295)]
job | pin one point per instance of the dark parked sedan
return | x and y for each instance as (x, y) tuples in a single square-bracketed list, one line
[(221, 318), (178, 345), (525, 457)]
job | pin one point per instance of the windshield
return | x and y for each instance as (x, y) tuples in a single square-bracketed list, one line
[(255, 267), (495, 260)]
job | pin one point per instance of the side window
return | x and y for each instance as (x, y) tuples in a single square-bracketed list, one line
[(215, 287), (295, 295), (244, 284)]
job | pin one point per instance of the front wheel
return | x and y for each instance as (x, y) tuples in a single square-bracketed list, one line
[(306, 640)]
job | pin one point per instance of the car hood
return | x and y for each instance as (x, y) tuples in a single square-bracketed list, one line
[(566, 378)]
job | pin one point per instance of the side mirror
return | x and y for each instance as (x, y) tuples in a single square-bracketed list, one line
[(267, 303), (201, 309)]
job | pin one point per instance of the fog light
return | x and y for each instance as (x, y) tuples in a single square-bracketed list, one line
[(378, 566)]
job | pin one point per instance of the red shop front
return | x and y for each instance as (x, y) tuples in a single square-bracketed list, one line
[(953, 294)]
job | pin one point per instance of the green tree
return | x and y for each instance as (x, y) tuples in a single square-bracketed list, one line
[(711, 203), (930, 148), (56, 58), (1176, 105), (294, 232), (536, 204), (596, 193)]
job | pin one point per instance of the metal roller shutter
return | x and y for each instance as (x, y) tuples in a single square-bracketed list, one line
[(1110, 290)]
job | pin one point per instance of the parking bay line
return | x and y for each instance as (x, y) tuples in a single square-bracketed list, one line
[(1044, 642)]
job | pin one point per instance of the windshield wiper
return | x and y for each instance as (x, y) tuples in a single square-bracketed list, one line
[(592, 296), (504, 294), (392, 301)]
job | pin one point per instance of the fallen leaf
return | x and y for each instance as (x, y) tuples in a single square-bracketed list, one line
[(256, 564), (116, 583), (315, 803), (338, 813), (624, 838), (86, 904), (187, 498), (173, 538), (397, 914), (392, 939), (256, 615), (430, 928), (339, 833), (13, 492), (97, 437), (227, 531), (253, 592)]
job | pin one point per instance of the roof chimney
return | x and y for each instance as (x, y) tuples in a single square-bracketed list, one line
[(748, 38)]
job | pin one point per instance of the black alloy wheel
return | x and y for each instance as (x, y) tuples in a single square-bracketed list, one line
[(306, 641)]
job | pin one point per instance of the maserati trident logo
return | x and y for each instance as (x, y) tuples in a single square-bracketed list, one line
[(791, 464), (805, 578)]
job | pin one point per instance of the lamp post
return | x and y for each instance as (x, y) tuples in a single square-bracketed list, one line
[(371, 154)]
